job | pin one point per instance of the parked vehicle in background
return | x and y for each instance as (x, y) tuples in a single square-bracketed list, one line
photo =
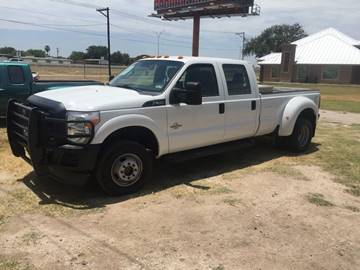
[(170, 107), (18, 82), (15, 60)]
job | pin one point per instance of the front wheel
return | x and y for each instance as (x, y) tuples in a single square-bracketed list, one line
[(124, 168)]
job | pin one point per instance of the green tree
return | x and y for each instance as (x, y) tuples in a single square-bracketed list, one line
[(8, 50), (120, 58), (273, 38), (35, 53), (77, 56), (47, 49), (96, 52)]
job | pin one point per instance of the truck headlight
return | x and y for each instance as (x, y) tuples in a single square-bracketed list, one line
[(80, 126)]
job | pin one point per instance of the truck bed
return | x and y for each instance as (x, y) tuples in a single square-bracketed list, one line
[(273, 102)]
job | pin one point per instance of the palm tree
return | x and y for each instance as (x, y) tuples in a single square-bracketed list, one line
[(47, 49)]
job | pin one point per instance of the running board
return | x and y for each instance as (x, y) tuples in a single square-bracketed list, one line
[(209, 150)]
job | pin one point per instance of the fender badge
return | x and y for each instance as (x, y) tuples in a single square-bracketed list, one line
[(175, 126)]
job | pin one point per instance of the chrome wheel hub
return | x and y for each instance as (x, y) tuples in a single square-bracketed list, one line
[(126, 170)]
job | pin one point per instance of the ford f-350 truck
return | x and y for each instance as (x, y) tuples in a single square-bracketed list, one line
[(157, 107)]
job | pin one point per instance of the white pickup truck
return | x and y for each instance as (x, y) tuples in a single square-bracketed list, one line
[(163, 106)]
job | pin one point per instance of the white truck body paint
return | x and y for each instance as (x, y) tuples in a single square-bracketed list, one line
[(196, 126), (98, 98)]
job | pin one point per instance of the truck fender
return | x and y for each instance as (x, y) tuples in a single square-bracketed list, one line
[(292, 111), (132, 120)]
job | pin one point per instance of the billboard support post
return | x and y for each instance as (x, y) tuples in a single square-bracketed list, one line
[(196, 36)]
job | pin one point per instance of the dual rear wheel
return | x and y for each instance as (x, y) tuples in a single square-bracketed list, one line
[(300, 140)]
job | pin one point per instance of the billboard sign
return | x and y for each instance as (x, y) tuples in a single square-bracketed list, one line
[(182, 9)]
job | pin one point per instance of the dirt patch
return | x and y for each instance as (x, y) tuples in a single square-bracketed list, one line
[(263, 220), (340, 117)]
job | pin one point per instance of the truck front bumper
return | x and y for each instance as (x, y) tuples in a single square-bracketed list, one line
[(72, 164), (39, 140)]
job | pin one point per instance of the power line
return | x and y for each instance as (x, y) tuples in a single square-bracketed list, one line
[(76, 3), (136, 17), (51, 27), (48, 14), (97, 23), (73, 25), (168, 42)]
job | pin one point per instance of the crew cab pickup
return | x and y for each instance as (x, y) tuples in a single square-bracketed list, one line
[(17, 81), (157, 107)]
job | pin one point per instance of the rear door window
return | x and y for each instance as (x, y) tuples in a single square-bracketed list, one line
[(237, 80), (16, 75)]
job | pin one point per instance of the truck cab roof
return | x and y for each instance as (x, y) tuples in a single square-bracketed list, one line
[(192, 59), (5, 63)]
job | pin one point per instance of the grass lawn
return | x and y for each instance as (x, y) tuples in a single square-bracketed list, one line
[(333, 97)]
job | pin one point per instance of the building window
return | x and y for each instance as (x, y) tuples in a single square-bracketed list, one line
[(286, 62), (330, 73), (275, 72), (302, 73), (237, 80)]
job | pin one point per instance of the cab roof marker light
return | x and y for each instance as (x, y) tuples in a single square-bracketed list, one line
[(180, 57)]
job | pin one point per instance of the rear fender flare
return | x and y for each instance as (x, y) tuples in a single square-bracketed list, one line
[(292, 112)]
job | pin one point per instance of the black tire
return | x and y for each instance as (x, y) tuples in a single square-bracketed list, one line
[(124, 168), (300, 139)]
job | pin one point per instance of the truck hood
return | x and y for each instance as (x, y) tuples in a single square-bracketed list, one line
[(96, 98)]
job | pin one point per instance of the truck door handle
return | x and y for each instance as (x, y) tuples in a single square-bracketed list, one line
[(221, 108), (253, 105)]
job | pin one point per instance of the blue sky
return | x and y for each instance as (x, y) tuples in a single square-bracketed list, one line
[(134, 32)]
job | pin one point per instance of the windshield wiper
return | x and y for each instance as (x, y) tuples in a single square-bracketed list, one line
[(126, 86)]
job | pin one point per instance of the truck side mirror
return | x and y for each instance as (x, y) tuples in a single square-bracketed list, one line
[(191, 95)]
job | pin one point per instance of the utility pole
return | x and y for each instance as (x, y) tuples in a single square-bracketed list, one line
[(158, 35), (241, 35), (105, 12), (57, 52)]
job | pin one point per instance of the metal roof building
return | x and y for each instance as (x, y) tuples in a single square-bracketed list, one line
[(328, 56)]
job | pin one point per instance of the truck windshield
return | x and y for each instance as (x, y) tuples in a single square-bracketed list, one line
[(147, 75)]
